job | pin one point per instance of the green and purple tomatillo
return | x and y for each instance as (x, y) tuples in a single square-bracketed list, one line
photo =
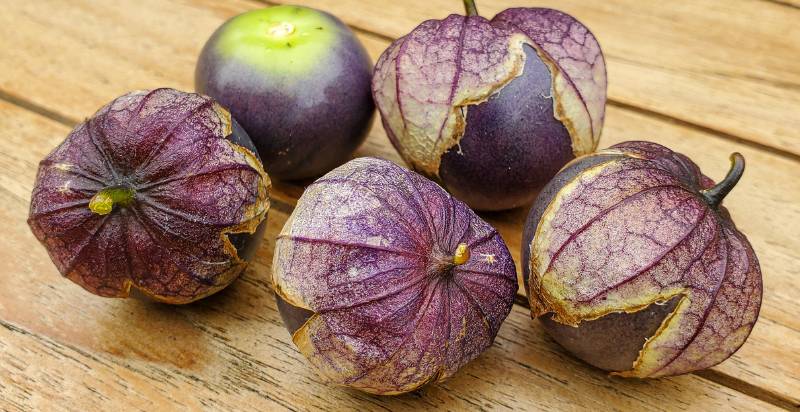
[(298, 80), (633, 264), (493, 108), (388, 283), (159, 194)]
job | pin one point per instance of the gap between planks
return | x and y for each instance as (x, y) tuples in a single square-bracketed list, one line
[(786, 3), (284, 206)]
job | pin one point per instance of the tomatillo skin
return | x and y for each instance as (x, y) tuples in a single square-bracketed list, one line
[(633, 264), (297, 80), (493, 108), (159, 195), (386, 282)]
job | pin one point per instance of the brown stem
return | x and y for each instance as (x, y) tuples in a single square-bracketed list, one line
[(715, 194)]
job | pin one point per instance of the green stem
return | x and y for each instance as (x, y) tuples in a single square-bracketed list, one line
[(469, 5), (103, 201), (715, 195)]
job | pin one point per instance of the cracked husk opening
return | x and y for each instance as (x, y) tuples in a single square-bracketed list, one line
[(637, 371), (458, 113), (548, 295), (569, 109)]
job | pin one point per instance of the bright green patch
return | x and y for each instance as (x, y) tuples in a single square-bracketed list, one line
[(282, 39), (103, 202)]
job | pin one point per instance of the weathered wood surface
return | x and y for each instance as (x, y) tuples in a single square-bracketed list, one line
[(231, 351), (720, 64), (63, 60)]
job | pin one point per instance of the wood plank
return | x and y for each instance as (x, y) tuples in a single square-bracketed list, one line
[(709, 63), (89, 76), (230, 351)]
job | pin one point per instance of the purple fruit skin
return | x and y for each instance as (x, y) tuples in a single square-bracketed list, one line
[(575, 50), (488, 165), (293, 317), (613, 342), (366, 282), (511, 141), (181, 153), (294, 139)]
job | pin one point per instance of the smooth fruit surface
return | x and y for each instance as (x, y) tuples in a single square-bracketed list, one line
[(634, 265), (297, 80), (160, 192), (283, 39), (388, 283)]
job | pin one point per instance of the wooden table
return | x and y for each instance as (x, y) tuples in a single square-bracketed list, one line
[(703, 77)]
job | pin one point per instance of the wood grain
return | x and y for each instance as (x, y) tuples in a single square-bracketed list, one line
[(231, 351), (707, 63), (126, 46)]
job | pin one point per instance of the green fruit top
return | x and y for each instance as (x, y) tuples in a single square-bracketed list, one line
[(282, 39)]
